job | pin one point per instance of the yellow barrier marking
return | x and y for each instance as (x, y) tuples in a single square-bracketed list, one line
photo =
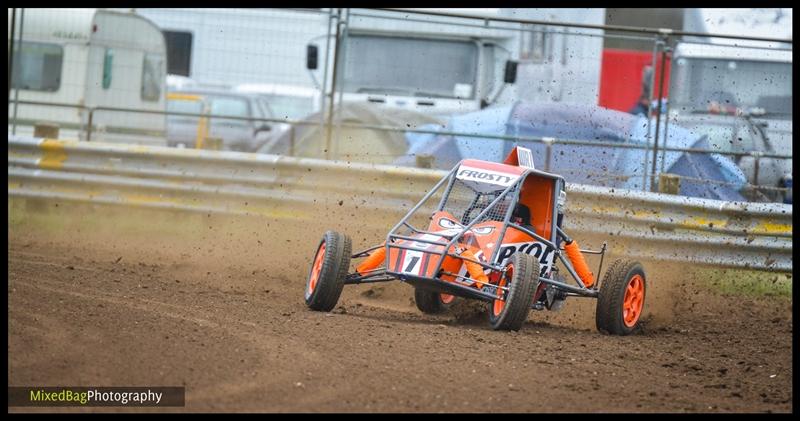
[(53, 154), (140, 148), (703, 222), (184, 97), (622, 211), (772, 228), (145, 200)]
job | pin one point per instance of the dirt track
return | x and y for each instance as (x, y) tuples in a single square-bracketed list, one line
[(239, 337)]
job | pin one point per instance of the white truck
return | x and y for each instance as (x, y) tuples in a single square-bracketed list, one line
[(740, 96), (91, 58), (446, 65)]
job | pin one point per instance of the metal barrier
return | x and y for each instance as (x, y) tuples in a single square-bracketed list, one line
[(663, 227), (548, 141)]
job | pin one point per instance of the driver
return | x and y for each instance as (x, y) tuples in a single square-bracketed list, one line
[(522, 216)]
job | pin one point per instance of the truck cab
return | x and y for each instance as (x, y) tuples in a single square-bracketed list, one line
[(437, 75), (436, 66)]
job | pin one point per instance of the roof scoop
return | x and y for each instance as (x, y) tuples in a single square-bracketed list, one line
[(521, 157)]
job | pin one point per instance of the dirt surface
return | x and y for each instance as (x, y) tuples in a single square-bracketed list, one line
[(228, 321)]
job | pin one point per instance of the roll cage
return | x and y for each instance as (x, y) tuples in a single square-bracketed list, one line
[(539, 191)]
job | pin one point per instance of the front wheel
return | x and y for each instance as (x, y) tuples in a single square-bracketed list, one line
[(430, 302), (621, 299), (520, 278), (326, 278)]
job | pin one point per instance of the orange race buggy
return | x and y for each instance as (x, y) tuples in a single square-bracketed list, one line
[(494, 236)]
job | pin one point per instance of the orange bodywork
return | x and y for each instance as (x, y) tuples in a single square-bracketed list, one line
[(372, 261), (579, 263), (424, 259)]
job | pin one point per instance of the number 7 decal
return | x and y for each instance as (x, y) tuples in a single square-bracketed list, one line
[(412, 264)]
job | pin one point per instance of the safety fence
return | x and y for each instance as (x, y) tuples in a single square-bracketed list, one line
[(649, 225), (306, 63), (303, 138)]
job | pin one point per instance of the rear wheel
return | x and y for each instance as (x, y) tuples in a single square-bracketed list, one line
[(328, 271), (621, 299), (430, 302), (521, 278)]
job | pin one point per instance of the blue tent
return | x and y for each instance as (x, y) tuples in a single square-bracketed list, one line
[(717, 177)]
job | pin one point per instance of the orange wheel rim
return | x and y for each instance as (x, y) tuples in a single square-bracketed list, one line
[(633, 301), (316, 269), (447, 298), (499, 305)]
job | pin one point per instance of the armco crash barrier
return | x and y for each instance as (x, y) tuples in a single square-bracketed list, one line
[(656, 226)]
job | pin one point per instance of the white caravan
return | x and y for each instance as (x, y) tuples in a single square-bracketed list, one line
[(93, 58)]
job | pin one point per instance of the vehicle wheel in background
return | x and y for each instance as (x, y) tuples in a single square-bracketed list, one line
[(430, 302)]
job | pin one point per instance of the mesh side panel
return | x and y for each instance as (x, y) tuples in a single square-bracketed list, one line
[(466, 204)]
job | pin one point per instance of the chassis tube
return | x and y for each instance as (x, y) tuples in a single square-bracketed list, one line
[(423, 200), (361, 253), (418, 240), (533, 234), (452, 287), (455, 275), (585, 292), (417, 206), (374, 279), (485, 265)]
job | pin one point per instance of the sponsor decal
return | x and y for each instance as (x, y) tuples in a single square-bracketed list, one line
[(541, 251), (485, 176)]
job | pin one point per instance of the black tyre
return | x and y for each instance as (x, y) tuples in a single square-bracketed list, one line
[(430, 302), (621, 299), (328, 271), (522, 277)]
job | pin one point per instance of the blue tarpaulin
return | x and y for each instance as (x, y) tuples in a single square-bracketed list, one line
[(718, 177)]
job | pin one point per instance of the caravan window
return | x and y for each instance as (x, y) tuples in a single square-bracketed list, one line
[(179, 52), (37, 66), (152, 76), (108, 65)]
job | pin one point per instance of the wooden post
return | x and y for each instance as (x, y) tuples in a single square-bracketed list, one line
[(669, 183), (213, 143), (46, 130), (425, 161)]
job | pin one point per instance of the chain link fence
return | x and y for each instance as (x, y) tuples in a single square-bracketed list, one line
[(421, 88)]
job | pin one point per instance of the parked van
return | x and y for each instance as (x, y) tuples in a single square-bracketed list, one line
[(247, 131), (88, 58), (287, 101)]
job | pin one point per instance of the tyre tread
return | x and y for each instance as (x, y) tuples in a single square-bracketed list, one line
[(333, 272)]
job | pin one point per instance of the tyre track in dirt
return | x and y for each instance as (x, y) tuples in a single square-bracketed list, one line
[(240, 339)]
